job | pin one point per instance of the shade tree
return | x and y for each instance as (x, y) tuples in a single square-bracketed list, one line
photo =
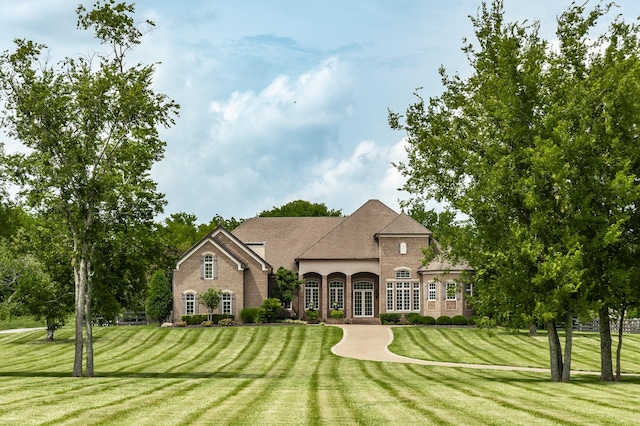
[(89, 124), (536, 148)]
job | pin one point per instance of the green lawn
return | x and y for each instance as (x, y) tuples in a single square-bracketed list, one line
[(477, 346), (283, 375)]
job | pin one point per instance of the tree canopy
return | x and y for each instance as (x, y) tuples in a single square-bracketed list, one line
[(301, 208), (537, 149)]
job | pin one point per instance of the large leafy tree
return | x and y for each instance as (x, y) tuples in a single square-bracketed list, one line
[(537, 148), (90, 126)]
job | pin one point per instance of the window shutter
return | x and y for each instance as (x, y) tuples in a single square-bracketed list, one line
[(215, 267), (202, 267)]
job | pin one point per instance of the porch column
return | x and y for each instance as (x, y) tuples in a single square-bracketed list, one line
[(300, 299), (323, 298), (348, 297)]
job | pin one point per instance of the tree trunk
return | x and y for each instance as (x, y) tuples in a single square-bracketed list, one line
[(568, 346), (555, 351), (80, 275), (87, 319), (606, 363), (51, 328), (619, 346)]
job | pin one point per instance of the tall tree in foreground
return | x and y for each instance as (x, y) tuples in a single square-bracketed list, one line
[(90, 126), (537, 147)]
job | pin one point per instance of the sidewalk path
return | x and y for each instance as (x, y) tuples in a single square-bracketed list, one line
[(21, 330), (370, 343)]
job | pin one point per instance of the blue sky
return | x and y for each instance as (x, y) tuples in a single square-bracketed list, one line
[(284, 99)]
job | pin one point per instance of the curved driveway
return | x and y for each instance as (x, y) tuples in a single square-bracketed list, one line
[(370, 343)]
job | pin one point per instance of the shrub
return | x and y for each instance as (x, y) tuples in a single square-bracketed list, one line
[(389, 318), (226, 322), (312, 315), (207, 323), (180, 324), (472, 320), (337, 313), (459, 320), (427, 320), (216, 318), (270, 310), (194, 319), (413, 318), (444, 320), (250, 315)]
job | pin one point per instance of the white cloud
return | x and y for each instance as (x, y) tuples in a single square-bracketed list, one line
[(319, 97), (347, 183)]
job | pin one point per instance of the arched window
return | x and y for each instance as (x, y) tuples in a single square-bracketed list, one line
[(210, 267), (311, 295), (336, 295), (190, 305), (403, 248)]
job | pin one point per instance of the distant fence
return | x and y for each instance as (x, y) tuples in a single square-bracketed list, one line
[(628, 326), (125, 318)]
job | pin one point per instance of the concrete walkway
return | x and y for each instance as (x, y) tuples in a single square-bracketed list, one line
[(370, 343), (21, 330)]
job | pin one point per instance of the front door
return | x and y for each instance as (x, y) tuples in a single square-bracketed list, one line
[(362, 299)]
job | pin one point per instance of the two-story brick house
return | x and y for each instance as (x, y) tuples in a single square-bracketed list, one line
[(364, 264)]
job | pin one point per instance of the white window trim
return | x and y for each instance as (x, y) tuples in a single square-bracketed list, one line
[(312, 295), (213, 262), (227, 300), (400, 296), (187, 300), (432, 289), (336, 294), (455, 293)]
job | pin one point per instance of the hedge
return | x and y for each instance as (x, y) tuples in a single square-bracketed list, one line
[(444, 320), (197, 319), (390, 318), (194, 319), (459, 320)]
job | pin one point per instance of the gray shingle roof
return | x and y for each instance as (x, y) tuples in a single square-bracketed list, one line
[(353, 237), (285, 237)]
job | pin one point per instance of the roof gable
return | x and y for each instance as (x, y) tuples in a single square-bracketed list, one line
[(354, 237), (231, 252), (403, 225)]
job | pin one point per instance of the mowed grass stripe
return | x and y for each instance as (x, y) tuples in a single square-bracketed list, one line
[(511, 403), (147, 346), (436, 386), (514, 394), (504, 348), (399, 382), (356, 393), (232, 378), (32, 355), (333, 400), (269, 400), (188, 391)]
